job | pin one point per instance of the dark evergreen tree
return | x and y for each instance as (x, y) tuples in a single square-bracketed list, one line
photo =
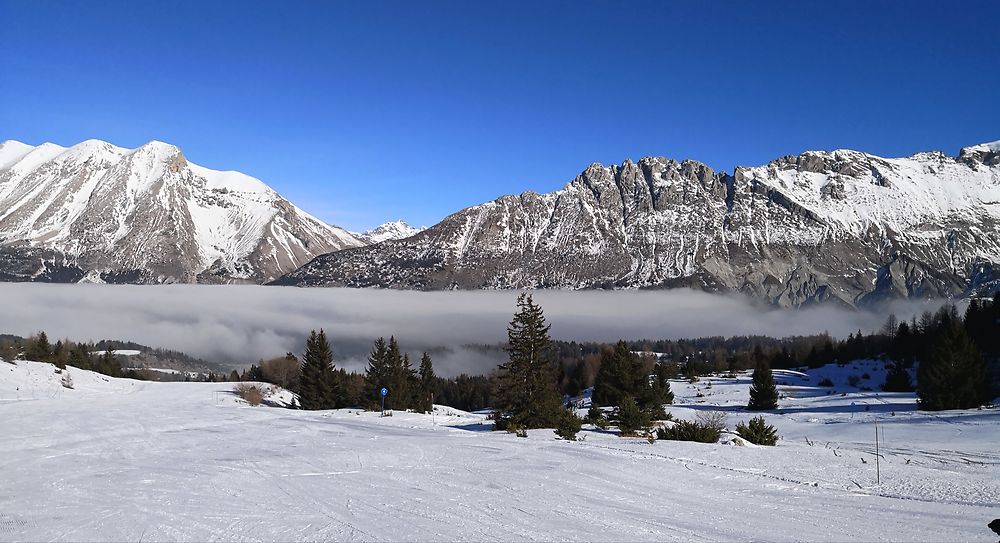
[(763, 391), (569, 425), (39, 349), (108, 363), (630, 418), (425, 402), (953, 375), (898, 378), (319, 387), (377, 375), (59, 355), (527, 394), (80, 357), (619, 376)]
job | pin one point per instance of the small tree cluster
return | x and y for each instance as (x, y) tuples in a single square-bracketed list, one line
[(390, 368), (623, 380)]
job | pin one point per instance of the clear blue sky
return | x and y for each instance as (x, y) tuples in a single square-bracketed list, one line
[(361, 112)]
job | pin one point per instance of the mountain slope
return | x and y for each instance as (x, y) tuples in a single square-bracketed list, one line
[(99, 212), (844, 227), (388, 231)]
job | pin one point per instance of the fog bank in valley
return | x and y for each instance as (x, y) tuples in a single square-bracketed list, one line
[(239, 324)]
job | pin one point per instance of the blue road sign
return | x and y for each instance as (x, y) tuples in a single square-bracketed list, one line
[(384, 391)]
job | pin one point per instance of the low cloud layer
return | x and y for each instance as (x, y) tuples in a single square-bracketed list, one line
[(238, 324)]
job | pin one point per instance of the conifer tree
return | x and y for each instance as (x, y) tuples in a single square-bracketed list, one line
[(108, 363), (39, 349), (619, 376), (377, 375), (319, 387), (953, 375), (527, 392), (79, 357), (425, 403), (763, 391), (898, 378)]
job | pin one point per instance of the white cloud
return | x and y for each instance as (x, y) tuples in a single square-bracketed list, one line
[(239, 324)]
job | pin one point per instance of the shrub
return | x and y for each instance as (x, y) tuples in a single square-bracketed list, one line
[(758, 432), (67, 379), (250, 393), (630, 418), (826, 382), (568, 425), (853, 380), (706, 428), (865, 375)]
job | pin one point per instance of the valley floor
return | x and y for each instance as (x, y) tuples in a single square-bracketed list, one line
[(116, 459)]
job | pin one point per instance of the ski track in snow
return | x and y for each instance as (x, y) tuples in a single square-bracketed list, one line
[(115, 459)]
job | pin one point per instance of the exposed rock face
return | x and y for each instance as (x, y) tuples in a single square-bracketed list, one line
[(839, 227), (99, 212)]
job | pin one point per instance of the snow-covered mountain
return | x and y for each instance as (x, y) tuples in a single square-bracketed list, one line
[(95, 211), (841, 226), (388, 231)]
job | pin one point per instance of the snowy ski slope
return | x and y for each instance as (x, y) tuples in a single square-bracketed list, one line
[(115, 459)]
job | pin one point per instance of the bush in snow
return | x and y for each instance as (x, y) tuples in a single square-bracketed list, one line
[(630, 418), (853, 380), (67, 379), (758, 432), (826, 382), (249, 392), (706, 428), (569, 425)]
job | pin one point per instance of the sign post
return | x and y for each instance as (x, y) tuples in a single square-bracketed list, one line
[(383, 392)]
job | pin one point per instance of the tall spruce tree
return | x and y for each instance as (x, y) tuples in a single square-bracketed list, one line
[(527, 392), (953, 375), (319, 387), (377, 375), (425, 401), (763, 391)]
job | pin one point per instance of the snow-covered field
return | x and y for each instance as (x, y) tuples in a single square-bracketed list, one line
[(114, 459)]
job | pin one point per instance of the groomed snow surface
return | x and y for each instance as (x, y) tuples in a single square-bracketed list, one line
[(115, 459)]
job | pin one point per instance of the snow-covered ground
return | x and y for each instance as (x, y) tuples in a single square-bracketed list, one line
[(114, 459)]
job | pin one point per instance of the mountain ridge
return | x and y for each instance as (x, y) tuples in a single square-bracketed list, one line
[(99, 212), (840, 226)]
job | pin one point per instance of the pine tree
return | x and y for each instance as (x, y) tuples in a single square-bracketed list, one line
[(79, 357), (527, 392), (763, 391), (630, 418), (319, 388), (953, 375), (377, 375), (425, 403), (898, 378), (39, 349), (108, 363), (619, 376)]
